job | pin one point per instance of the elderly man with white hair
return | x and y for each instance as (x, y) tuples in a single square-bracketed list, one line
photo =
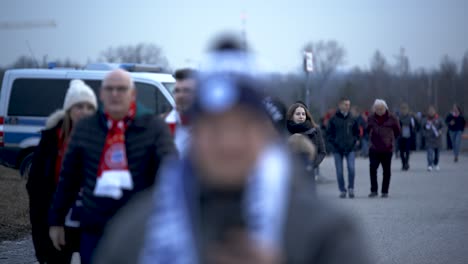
[(111, 156), (383, 128)]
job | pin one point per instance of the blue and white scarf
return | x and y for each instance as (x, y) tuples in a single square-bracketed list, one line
[(170, 238)]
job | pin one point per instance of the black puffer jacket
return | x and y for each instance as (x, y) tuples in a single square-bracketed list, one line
[(342, 133), (147, 142), (41, 186), (458, 122), (314, 134)]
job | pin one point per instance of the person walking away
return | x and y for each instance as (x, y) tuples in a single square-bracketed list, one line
[(456, 123), (111, 156), (343, 133), (383, 128), (300, 121), (80, 101), (408, 126), (432, 131)]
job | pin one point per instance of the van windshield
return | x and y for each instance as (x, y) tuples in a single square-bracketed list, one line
[(41, 97)]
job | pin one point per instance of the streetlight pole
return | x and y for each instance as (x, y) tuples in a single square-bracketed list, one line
[(308, 68)]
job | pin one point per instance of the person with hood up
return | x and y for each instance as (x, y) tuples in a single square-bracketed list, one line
[(80, 101)]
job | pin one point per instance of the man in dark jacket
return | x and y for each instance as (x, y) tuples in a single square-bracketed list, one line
[(383, 128), (216, 205), (111, 156), (409, 126), (343, 133)]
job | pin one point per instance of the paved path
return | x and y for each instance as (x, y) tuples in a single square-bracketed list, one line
[(425, 220)]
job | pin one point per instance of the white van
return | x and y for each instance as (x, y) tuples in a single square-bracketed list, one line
[(29, 96)]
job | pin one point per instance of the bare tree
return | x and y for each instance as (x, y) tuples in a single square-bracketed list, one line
[(402, 66), (140, 53), (402, 71), (25, 62), (464, 65), (327, 57), (448, 74), (379, 64)]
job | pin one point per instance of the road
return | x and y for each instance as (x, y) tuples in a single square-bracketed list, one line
[(425, 220)]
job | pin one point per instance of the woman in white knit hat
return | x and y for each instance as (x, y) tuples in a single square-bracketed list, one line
[(80, 101)]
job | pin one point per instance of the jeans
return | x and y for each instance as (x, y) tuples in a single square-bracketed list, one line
[(350, 157), (404, 144), (364, 147), (455, 137), (432, 156), (375, 159)]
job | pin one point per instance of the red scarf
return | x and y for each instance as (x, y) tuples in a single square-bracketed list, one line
[(184, 121), (114, 156), (62, 147)]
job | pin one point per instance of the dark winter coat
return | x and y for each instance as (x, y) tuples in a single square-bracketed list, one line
[(383, 130), (409, 126), (315, 136), (147, 141), (459, 124), (432, 139), (41, 185), (342, 133), (314, 232)]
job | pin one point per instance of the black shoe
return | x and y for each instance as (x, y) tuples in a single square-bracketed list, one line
[(373, 195), (384, 195), (351, 193), (456, 159), (343, 195)]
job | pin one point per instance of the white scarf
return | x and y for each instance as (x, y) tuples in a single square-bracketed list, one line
[(431, 125), (170, 238)]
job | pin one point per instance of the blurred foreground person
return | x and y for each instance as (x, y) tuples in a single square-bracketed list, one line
[(383, 129), (112, 155), (80, 101), (456, 125), (236, 198), (432, 132), (177, 119)]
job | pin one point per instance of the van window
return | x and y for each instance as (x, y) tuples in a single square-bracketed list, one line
[(41, 97), (147, 95), (36, 97)]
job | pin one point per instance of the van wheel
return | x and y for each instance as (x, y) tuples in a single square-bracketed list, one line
[(25, 166)]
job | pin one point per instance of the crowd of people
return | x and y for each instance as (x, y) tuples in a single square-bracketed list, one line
[(380, 133), (227, 176)]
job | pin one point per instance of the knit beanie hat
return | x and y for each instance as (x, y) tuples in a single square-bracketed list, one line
[(79, 92)]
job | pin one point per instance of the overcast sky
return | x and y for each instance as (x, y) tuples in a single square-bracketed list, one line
[(277, 30)]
